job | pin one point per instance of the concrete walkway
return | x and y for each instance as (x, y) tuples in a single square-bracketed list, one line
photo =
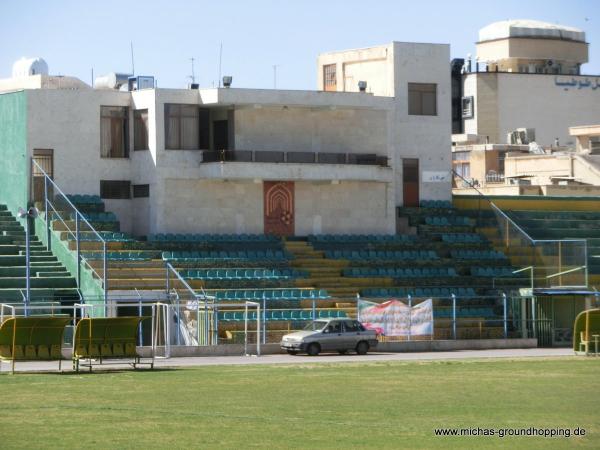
[(300, 359)]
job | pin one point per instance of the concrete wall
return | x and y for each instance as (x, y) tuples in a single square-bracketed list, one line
[(311, 130), (374, 65), (214, 206), (506, 101), (14, 166), (424, 137), (69, 123), (345, 207), (533, 49)]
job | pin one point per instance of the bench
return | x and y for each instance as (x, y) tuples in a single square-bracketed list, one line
[(99, 339), (36, 338), (587, 324)]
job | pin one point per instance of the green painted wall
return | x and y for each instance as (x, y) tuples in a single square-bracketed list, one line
[(90, 288), (13, 150)]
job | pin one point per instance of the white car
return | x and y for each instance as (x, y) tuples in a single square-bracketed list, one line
[(339, 335)]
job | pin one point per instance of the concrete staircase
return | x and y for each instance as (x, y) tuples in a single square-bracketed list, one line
[(49, 279), (327, 273)]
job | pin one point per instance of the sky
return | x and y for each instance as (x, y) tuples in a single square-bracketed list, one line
[(76, 37)]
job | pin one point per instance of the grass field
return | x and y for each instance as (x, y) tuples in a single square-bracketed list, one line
[(345, 405)]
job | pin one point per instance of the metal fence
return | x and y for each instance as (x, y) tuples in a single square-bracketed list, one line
[(61, 215)]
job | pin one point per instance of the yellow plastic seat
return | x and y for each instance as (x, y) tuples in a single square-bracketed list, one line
[(56, 351), (94, 351), (118, 349), (42, 352), (19, 352), (130, 349), (5, 351), (81, 351), (105, 350)]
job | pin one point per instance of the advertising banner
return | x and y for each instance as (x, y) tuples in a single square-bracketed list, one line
[(394, 318)]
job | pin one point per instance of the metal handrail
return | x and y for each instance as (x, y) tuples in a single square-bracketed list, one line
[(78, 216)]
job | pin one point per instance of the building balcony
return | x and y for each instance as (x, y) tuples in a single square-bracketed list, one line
[(263, 156)]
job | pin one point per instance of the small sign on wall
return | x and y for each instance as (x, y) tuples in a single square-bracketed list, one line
[(430, 176)]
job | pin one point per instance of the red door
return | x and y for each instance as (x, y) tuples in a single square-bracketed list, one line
[(410, 181), (279, 207)]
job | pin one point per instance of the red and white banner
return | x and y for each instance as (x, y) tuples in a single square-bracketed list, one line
[(394, 318)]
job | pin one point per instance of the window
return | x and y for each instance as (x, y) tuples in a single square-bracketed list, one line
[(114, 132), (186, 127), (352, 326), (140, 129), (141, 190), (422, 99), (467, 107), (329, 78), (595, 145), (115, 189)]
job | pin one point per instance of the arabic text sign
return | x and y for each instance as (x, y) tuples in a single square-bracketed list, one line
[(394, 318), (578, 82)]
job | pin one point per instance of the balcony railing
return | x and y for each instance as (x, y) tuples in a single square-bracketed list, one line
[(265, 156)]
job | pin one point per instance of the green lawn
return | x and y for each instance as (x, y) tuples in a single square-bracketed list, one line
[(345, 405)]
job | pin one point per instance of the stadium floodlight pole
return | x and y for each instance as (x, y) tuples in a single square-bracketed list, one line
[(31, 213)]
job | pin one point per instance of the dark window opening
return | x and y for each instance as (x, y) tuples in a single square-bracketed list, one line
[(114, 132), (140, 129), (115, 189), (422, 99), (187, 127), (141, 190)]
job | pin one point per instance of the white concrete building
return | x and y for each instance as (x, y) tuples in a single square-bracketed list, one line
[(527, 74), (233, 160)]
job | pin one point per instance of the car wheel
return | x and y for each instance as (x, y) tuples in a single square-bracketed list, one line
[(342, 352), (292, 352), (362, 348), (313, 349)]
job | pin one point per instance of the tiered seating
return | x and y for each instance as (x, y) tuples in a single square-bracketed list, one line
[(447, 221), (270, 294), (282, 315), (123, 256), (438, 204), (425, 272), (243, 274), (495, 272), (478, 254), (212, 238), (418, 292), (85, 199), (384, 238), (465, 312), (98, 216), (382, 255), (462, 238), (268, 255), (106, 235)]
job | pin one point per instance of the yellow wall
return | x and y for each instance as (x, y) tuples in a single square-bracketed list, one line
[(529, 203)]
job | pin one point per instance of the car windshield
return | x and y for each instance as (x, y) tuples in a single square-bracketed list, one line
[(317, 325)]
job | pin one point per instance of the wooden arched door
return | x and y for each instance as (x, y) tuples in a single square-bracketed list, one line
[(279, 207)]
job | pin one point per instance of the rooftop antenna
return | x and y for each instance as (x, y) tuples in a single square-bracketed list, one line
[(220, 60), (92, 77), (193, 76), (132, 62), (275, 75)]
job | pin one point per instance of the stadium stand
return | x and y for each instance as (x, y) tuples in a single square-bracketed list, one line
[(50, 280)]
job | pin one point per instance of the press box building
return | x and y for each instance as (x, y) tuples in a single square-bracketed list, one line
[(229, 160)]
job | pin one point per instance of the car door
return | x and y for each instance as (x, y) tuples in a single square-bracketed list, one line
[(352, 333), (332, 336)]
